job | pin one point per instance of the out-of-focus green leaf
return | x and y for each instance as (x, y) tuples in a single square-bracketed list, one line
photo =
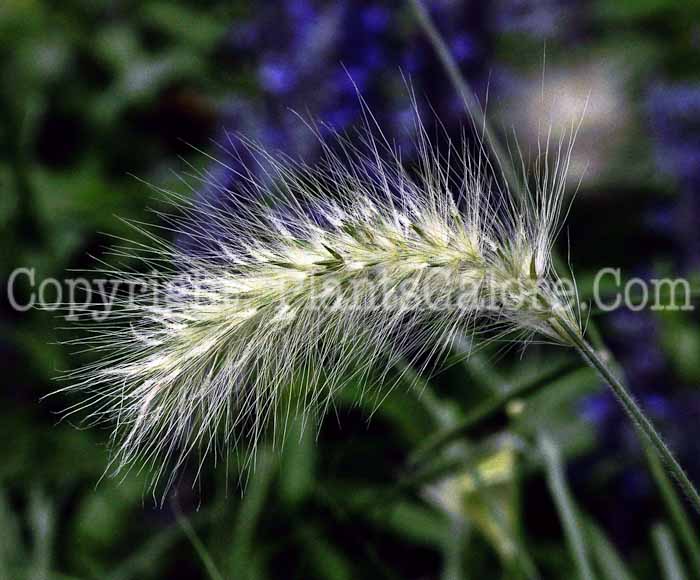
[(413, 522), (12, 550), (609, 561), (176, 20), (573, 530), (681, 341), (42, 520), (627, 9), (324, 558), (296, 475), (104, 513), (670, 561), (243, 557)]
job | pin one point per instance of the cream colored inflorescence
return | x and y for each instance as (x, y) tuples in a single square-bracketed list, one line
[(319, 276)]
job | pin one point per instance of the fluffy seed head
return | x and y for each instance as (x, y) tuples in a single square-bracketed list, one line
[(312, 276)]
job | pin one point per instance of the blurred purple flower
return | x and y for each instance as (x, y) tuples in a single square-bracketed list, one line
[(334, 51), (276, 77), (376, 18)]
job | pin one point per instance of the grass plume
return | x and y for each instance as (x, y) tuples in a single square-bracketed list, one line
[(313, 276)]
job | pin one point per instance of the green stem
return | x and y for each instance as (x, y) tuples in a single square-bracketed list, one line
[(678, 514), (488, 410), (471, 104), (192, 536), (476, 113), (591, 356)]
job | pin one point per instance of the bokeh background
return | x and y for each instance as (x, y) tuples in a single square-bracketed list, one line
[(98, 97)]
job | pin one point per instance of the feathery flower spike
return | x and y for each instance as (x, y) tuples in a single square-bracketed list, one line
[(322, 275)]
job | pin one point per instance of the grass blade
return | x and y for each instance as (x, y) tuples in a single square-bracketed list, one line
[(487, 410), (565, 507), (668, 555), (242, 557), (678, 514), (609, 561)]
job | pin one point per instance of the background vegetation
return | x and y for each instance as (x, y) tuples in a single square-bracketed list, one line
[(543, 476)]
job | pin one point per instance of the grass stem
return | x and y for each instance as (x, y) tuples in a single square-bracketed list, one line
[(678, 515), (476, 113), (487, 410), (633, 410), (189, 531), (471, 103)]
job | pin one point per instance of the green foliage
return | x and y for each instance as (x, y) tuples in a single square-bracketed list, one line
[(344, 498)]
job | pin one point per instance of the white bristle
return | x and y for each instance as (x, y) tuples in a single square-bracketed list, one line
[(317, 275)]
